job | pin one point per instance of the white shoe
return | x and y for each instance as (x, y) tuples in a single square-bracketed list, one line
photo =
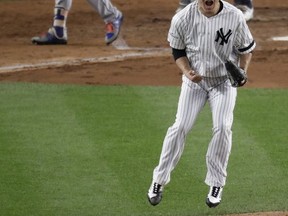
[(214, 196), (155, 193), (247, 12)]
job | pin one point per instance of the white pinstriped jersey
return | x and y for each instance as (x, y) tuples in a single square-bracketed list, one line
[(210, 41)]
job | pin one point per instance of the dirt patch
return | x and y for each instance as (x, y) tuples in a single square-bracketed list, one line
[(86, 60), (144, 27)]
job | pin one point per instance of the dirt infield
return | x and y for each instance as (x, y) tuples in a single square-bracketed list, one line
[(147, 61), (144, 60)]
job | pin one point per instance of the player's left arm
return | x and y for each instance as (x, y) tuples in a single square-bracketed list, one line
[(245, 60), (244, 63), (245, 45)]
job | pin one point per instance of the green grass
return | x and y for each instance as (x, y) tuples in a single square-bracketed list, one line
[(87, 150)]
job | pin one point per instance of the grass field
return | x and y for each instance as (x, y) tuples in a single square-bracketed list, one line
[(86, 150)]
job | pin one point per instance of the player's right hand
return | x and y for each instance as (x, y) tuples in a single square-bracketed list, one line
[(193, 76)]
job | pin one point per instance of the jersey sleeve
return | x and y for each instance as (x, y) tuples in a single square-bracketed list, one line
[(244, 39), (175, 34)]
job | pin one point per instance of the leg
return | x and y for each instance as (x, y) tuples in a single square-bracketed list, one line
[(111, 16), (248, 3), (246, 6), (222, 101), (57, 34), (183, 4), (191, 101), (105, 9), (61, 11)]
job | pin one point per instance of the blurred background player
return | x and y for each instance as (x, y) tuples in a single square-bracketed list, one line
[(57, 34), (246, 6)]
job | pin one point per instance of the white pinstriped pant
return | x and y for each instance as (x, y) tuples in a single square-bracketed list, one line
[(221, 97)]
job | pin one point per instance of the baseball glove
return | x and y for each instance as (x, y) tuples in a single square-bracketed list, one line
[(236, 75)]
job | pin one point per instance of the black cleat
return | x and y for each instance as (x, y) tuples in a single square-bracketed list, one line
[(50, 38)]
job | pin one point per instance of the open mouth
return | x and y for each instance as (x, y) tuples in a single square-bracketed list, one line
[(209, 3)]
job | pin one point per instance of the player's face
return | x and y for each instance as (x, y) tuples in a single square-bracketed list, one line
[(209, 7)]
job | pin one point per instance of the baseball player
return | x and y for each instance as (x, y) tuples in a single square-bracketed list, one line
[(246, 6), (203, 36), (57, 34)]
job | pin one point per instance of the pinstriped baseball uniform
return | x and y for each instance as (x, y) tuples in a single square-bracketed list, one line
[(104, 7), (208, 43)]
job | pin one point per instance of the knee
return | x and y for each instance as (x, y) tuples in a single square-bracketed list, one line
[(222, 128), (179, 128)]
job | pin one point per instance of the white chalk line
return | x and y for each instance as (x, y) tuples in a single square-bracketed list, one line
[(139, 53), (119, 44), (283, 38)]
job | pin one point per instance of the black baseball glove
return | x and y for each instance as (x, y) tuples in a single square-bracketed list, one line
[(236, 75)]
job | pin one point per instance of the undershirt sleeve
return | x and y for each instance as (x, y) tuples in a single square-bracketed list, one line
[(178, 53)]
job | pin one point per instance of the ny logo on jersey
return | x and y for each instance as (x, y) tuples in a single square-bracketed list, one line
[(224, 38)]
